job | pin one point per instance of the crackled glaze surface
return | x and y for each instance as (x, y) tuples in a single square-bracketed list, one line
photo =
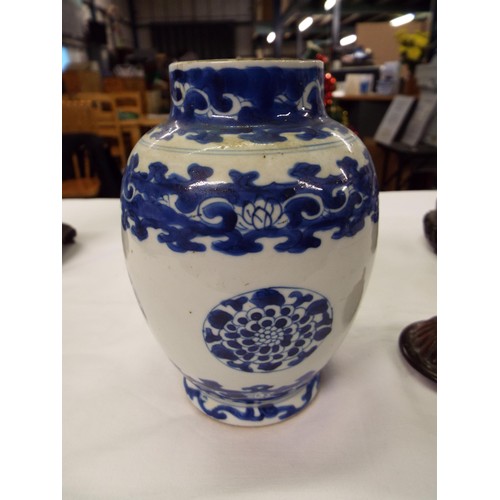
[(249, 225)]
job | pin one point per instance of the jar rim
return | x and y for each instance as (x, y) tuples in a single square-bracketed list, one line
[(245, 63)]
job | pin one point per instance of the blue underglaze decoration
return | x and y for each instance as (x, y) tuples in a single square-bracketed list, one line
[(269, 329), (252, 414), (259, 104), (203, 134), (239, 213), (247, 96), (252, 394)]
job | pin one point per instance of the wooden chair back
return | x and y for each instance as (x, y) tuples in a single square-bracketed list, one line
[(104, 108), (106, 120), (128, 102), (78, 118), (126, 84)]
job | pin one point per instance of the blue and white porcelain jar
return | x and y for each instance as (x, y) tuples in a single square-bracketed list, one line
[(249, 230)]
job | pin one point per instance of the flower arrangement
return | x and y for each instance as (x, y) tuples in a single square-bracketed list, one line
[(412, 47)]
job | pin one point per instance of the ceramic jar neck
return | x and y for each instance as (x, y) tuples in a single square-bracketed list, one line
[(246, 92)]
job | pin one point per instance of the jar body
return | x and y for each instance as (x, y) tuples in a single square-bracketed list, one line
[(249, 245)]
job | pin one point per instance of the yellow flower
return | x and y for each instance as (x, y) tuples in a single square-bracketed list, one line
[(411, 45), (421, 39), (413, 53)]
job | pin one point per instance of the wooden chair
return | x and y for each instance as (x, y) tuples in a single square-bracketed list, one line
[(130, 109), (128, 104), (126, 84), (84, 184), (107, 122), (78, 118)]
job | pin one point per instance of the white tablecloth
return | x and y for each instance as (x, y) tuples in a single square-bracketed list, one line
[(129, 431)]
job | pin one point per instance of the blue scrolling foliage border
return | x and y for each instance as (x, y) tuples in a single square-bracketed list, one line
[(204, 134), (260, 413), (259, 393), (246, 96), (237, 214), (259, 103)]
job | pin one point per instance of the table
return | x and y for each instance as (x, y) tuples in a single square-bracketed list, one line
[(129, 431), (410, 160)]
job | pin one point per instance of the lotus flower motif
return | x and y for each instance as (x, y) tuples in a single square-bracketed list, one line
[(262, 214)]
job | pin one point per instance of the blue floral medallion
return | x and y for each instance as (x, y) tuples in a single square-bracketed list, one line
[(239, 213), (269, 329)]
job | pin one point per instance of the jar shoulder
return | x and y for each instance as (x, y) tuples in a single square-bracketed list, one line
[(337, 150), (315, 132)]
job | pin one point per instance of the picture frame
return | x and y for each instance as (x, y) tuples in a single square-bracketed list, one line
[(420, 119), (393, 119)]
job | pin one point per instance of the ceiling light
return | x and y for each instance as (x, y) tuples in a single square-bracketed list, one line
[(305, 23), (330, 4), (347, 40), (399, 21), (271, 37)]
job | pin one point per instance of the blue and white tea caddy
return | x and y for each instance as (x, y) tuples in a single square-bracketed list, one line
[(249, 224)]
